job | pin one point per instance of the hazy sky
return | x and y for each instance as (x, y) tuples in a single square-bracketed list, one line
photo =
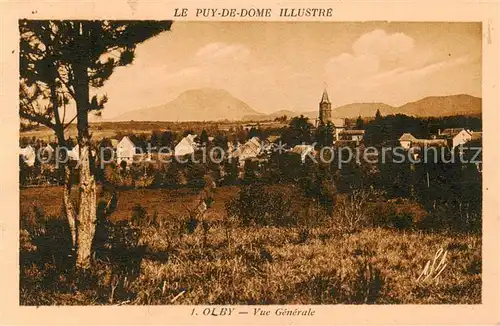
[(278, 65)]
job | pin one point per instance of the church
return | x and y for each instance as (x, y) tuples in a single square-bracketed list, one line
[(325, 116)]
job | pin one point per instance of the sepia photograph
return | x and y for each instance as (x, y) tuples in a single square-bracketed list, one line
[(175, 162)]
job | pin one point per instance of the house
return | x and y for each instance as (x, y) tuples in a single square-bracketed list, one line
[(186, 146), (268, 147), (455, 136), (74, 153), (338, 127), (273, 138), (352, 134), (429, 143), (406, 139), (249, 126), (346, 143), (476, 136), (28, 155), (233, 146), (250, 149), (125, 150), (303, 151)]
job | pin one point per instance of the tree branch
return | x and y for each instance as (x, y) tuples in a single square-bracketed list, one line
[(37, 118), (67, 125), (70, 91)]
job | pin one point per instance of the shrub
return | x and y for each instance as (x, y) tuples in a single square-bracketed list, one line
[(118, 176), (195, 173), (311, 215), (251, 171), (402, 221), (318, 183), (399, 214), (381, 213), (350, 212), (257, 205)]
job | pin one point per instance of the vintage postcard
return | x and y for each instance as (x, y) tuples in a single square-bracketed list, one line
[(250, 163)]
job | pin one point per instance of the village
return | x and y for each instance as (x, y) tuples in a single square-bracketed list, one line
[(255, 144)]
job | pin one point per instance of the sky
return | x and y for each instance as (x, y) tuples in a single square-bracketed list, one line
[(286, 65)]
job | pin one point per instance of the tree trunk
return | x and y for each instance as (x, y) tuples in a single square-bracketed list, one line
[(69, 210), (87, 215), (68, 205)]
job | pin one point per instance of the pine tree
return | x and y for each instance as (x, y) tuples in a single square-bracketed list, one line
[(360, 122), (82, 54), (204, 137)]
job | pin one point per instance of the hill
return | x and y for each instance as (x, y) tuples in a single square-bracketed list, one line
[(432, 106), (271, 116), (438, 106), (208, 104), (356, 109), (205, 104)]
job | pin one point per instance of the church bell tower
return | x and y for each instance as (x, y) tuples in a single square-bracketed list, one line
[(325, 108)]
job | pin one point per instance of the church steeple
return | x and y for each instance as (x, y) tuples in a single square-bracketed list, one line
[(325, 108), (324, 98)]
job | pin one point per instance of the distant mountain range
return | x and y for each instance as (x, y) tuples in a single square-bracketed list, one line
[(209, 104), (205, 104)]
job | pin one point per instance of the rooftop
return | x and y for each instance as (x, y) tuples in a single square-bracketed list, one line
[(451, 132), (352, 132), (407, 137)]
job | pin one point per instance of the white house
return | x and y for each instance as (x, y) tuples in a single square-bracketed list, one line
[(456, 136), (186, 146), (74, 153), (339, 126), (352, 134), (125, 150), (303, 151), (28, 155), (406, 139), (250, 149)]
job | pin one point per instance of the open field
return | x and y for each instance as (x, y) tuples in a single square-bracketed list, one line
[(165, 201), (100, 130), (225, 262)]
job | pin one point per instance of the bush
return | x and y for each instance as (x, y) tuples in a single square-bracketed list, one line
[(350, 212), (257, 205), (399, 214), (195, 173)]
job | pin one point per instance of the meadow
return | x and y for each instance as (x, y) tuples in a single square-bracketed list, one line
[(117, 129), (154, 253)]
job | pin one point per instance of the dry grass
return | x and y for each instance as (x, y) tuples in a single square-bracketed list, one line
[(325, 269), (227, 263)]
